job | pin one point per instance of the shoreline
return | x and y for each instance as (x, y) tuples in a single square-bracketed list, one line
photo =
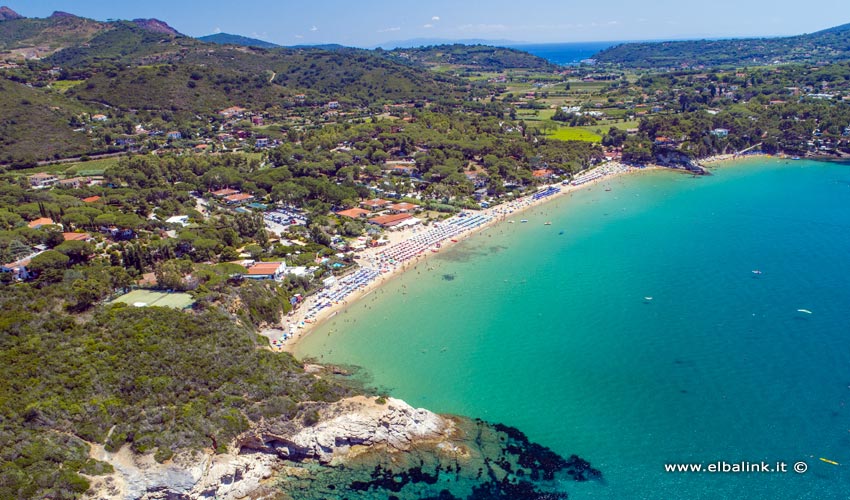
[(299, 324)]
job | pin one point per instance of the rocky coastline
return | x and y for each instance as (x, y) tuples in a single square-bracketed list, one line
[(362, 447)]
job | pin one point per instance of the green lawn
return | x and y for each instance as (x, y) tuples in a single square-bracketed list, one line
[(64, 85), (574, 134)]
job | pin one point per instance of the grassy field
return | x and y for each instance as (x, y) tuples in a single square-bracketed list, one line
[(91, 167), (574, 134), (146, 298), (64, 85)]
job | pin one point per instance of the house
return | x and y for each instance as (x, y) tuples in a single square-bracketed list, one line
[(74, 182), (333, 105), (354, 213), (236, 199), (76, 236), (262, 142), (375, 204), (174, 134), (42, 180), (43, 221), (720, 132), (183, 220), (402, 208), (19, 268), (200, 148), (231, 112), (266, 271), (543, 173), (91, 199), (388, 221), (99, 118), (221, 193), (257, 121)]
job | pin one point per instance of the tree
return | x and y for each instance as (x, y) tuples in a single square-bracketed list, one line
[(49, 265)]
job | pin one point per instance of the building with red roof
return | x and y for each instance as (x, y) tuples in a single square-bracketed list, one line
[(355, 213)]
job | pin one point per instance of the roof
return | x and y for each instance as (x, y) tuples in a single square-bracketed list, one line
[(43, 221), (376, 202), (389, 220), (238, 197), (76, 236), (403, 206), (91, 199), (224, 192), (354, 213), (542, 172), (264, 268), (42, 175)]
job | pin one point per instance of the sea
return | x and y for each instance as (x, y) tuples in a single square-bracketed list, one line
[(565, 54), (635, 332)]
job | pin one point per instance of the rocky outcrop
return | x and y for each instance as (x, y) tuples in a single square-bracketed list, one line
[(156, 26), (358, 446), (342, 429), (680, 161), (393, 426), (7, 14)]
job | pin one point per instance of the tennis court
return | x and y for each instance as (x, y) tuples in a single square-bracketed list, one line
[(147, 298)]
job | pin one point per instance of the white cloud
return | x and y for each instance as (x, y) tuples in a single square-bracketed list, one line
[(314, 29), (429, 25), (299, 36), (435, 18), (217, 30), (386, 30)]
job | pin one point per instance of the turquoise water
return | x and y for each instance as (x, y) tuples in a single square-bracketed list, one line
[(551, 333)]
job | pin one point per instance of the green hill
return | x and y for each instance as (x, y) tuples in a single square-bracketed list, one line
[(35, 124), (228, 39), (204, 80), (831, 45), (45, 36), (477, 57)]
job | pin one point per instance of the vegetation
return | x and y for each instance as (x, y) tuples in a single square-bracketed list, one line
[(831, 45), (157, 379), (477, 57), (228, 39)]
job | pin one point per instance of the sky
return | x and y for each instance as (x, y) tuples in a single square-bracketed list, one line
[(368, 23)]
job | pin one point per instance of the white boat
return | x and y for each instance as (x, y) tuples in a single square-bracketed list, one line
[(647, 298), (524, 220), (756, 271), (806, 311)]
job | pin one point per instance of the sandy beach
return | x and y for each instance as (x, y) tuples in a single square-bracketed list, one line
[(299, 323)]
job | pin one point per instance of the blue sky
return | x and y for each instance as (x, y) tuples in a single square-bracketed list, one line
[(367, 23)]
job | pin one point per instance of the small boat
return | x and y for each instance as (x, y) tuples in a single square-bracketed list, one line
[(524, 220), (795, 157), (607, 189), (833, 462), (510, 222), (756, 271), (454, 240), (547, 223), (434, 250), (804, 311), (647, 298)]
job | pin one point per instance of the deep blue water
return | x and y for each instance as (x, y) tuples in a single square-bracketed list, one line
[(547, 328), (565, 53)]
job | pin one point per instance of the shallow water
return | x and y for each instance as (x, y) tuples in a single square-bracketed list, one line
[(549, 329)]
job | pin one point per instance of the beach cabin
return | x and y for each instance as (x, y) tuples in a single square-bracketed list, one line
[(390, 221), (183, 220), (266, 271), (402, 208), (375, 204), (236, 199), (354, 213), (221, 193)]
